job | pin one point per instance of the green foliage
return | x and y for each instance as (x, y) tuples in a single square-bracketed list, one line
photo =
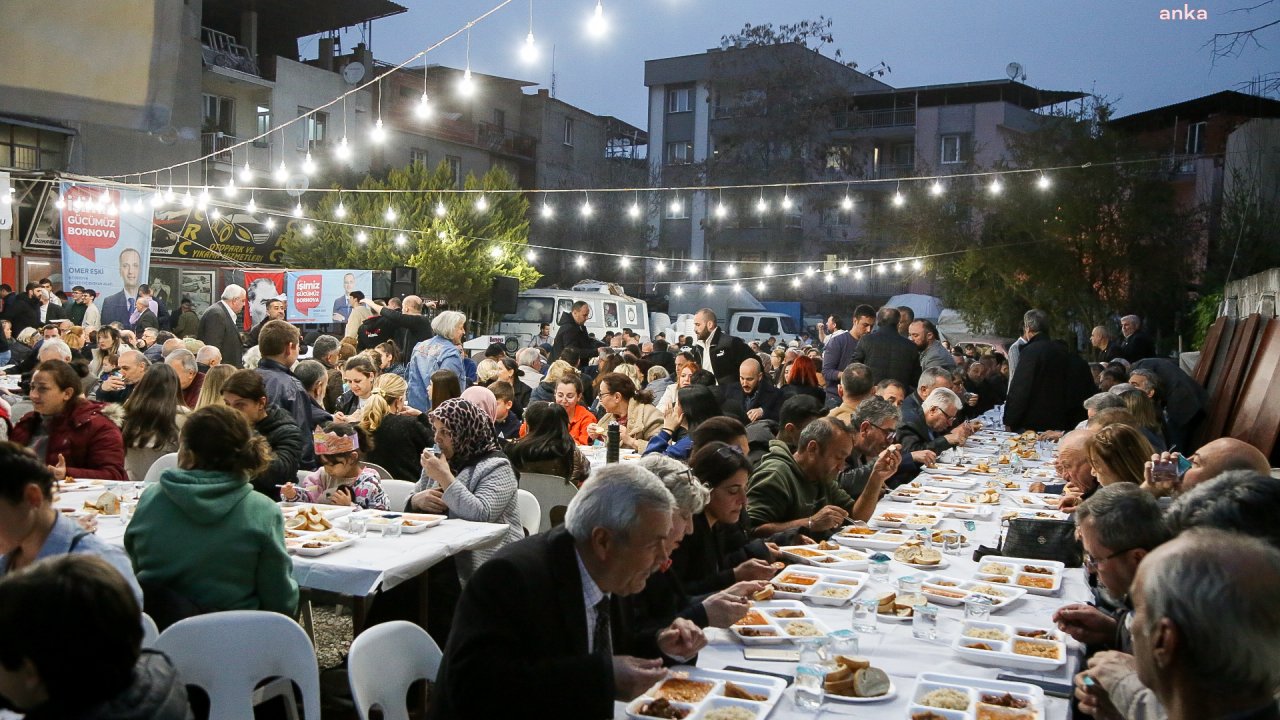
[(452, 253), (1203, 316)]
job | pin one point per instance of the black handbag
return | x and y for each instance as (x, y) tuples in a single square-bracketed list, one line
[(1043, 539)]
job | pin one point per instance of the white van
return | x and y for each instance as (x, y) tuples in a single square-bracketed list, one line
[(611, 310)]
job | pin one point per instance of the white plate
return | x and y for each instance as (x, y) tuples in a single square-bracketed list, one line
[(880, 520), (1003, 655), (891, 694), (945, 563), (927, 681), (760, 684), (296, 546), (946, 470), (894, 618), (379, 519), (763, 608), (879, 541)]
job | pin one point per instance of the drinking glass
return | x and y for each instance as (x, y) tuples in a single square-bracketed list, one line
[(977, 608), (864, 614), (358, 524), (951, 542), (924, 623), (842, 642), (811, 673), (126, 512), (391, 530), (879, 568)]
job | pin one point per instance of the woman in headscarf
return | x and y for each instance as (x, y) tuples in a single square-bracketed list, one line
[(470, 479)]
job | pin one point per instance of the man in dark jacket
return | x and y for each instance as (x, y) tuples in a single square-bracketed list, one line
[(838, 353), (717, 350), (219, 326), (752, 398), (661, 355), (1182, 399), (275, 311), (1046, 391), (22, 310), (572, 332), (409, 325), (1136, 344), (889, 355), (278, 343)]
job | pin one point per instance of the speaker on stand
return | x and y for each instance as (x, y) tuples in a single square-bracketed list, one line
[(404, 281), (503, 298)]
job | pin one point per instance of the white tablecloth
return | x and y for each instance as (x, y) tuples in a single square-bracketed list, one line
[(896, 651), (372, 563)]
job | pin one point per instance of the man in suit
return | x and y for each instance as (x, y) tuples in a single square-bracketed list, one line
[(888, 354), (558, 649), (838, 353), (48, 310), (220, 325), (752, 398), (1047, 391), (718, 351), (1135, 345), (119, 306), (932, 433), (1105, 349), (930, 380)]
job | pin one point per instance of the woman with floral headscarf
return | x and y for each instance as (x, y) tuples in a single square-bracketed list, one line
[(471, 479)]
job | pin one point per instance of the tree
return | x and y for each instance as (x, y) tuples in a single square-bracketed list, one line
[(457, 254), (1105, 238)]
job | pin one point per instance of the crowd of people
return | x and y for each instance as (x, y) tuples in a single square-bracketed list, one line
[(745, 447)]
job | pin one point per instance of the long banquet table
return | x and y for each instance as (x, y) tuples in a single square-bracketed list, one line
[(895, 650)]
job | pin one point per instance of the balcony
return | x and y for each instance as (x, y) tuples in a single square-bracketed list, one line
[(219, 145), (497, 139), (220, 50), (864, 119)]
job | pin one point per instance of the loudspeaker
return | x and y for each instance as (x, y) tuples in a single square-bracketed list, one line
[(505, 290), (404, 281)]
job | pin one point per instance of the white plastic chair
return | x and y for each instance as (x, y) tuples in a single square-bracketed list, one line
[(302, 475), (384, 661), (383, 473), (529, 510), (227, 654), (149, 631), (553, 494), (162, 463), (398, 492)]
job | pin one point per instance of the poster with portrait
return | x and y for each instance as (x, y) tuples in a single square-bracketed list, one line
[(261, 286), (166, 285), (106, 245), (198, 286), (320, 296)]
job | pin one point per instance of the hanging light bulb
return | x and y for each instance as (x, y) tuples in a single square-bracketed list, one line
[(252, 207), (297, 210), (401, 239), (898, 199), (996, 186), (441, 210), (1044, 183), (857, 274), (624, 261), (548, 212), (917, 265), (246, 173), (467, 86), (795, 282), (168, 194), (229, 189), (390, 213), (679, 291), (597, 26), (308, 165), (482, 204), (362, 237), (580, 262), (737, 287), (828, 277), (270, 223), (586, 208), (379, 133), (282, 173), (731, 271), (768, 269), (202, 201), (137, 204), (423, 111), (936, 188), (808, 272), (880, 269), (634, 210), (215, 213), (530, 256), (187, 199), (157, 199), (340, 211), (787, 204), (308, 230), (897, 267), (846, 203), (343, 149), (676, 207), (495, 252), (660, 268), (710, 289), (760, 286), (693, 268), (761, 205), (529, 51), (722, 211)]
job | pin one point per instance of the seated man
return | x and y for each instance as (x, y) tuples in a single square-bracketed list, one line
[(932, 430), (892, 390), (798, 491), (930, 379), (75, 610), (796, 414), (752, 398), (1118, 526), (1073, 465), (538, 613), (855, 386), (873, 428), (131, 366), (1210, 461)]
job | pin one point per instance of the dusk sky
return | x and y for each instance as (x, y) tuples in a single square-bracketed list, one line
[(1119, 49)]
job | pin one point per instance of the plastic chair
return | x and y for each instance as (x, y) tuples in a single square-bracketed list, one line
[(150, 632), (384, 661), (383, 474), (398, 492), (302, 475), (553, 494), (228, 654), (530, 512), (162, 463)]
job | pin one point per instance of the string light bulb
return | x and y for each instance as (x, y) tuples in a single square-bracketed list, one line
[(760, 286), (340, 211), (660, 268), (270, 223), (676, 207), (496, 252), (710, 289), (897, 267), (857, 274), (586, 209), (768, 269), (379, 133), (390, 213), (548, 211), (308, 230), (693, 268), (581, 261), (846, 203), (441, 210), (530, 256), (252, 207), (996, 186), (282, 173), (737, 287), (298, 211), (787, 203), (898, 199), (679, 291), (880, 269), (168, 194), (828, 278), (157, 199), (1044, 183), (624, 261), (795, 282), (597, 26), (634, 210), (917, 264), (229, 190), (343, 149), (308, 164), (731, 271), (528, 50), (423, 111), (187, 199), (936, 188), (362, 237), (482, 204), (202, 200), (808, 272), (401, 239), (246, 173), (722, 210), (467, 85)]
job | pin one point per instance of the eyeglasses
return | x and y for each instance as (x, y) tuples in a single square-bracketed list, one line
[(951, 417), (889, 435), (1092, 563), (729, 451)]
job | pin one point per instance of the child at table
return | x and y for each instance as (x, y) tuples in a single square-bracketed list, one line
[(342, 479)]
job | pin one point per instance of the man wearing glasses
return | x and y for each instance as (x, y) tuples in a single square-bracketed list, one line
[(932, 432), (873, 427)]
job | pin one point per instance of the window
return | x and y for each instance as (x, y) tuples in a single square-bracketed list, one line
[(676, 210), (793, 218), (27, 148), (455, 169), (500, 119), (903, 155), (418, 156), (263, 126), (610, 314), (219, 115), (1195, 138), (568, 132), (744, 325), (313, 129), (835, 216), (950, 149), (837, 157), (768, 325), (679, 153), (680, 100)]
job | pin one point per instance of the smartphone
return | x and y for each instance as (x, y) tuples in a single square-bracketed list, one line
[(1165, 472), (771, 654), (752, 671), (1051, 688)]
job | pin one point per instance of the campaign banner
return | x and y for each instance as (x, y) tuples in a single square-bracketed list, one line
[(106, 245), (320, 296), (261, 286)]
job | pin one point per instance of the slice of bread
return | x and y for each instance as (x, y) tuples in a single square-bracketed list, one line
[(853, 663), (870, 682), (764, 593)]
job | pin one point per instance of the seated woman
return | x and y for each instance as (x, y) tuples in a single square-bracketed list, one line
[(358, 373), (1117, 453), (78, 610), (684, 378), (445, 385), (202, 540), (546, 390), (211, 391), (547, 448), (108, 346), (390, 357), (569, 397), (68, 431), (33, 529), (694, 404), (153, 416), (803, 379), (470, 479), (1147, 415), (399, 433), (509, 372), (342, 479), (246, 393), (632, 409)]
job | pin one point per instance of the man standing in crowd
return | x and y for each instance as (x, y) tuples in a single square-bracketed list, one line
[(752, 398), (888, 354), (717, 350), (21, 309), (279, 343), (906, 316), (220, 327), (573, 332), (275, 311), (408, 326), (119, 306), (577, 572), (1046, 392), (1105, 350), (1136, 344), (924, 335), (838, 352)]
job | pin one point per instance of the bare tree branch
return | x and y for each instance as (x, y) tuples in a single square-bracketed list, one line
[(1234, 44)]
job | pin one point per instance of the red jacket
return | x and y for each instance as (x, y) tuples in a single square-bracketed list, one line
[(90, 443)]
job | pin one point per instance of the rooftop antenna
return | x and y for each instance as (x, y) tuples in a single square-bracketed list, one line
[(553, 70), (1016, 72)]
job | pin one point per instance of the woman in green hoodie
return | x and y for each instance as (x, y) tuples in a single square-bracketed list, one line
[(203, 534)]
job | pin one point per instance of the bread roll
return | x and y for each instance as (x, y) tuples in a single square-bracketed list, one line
[(870, 682), (854, 663)]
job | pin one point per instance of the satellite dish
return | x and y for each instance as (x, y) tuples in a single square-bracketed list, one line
[(353, 72), (297, 184), (1014, 71)]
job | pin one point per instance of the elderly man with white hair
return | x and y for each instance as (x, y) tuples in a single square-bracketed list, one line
[(441, 352), (130, 367), (220, 325), (190, 379), (933, 431), (530, 361), (208, 356), (1135, 345), (615, 536)]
